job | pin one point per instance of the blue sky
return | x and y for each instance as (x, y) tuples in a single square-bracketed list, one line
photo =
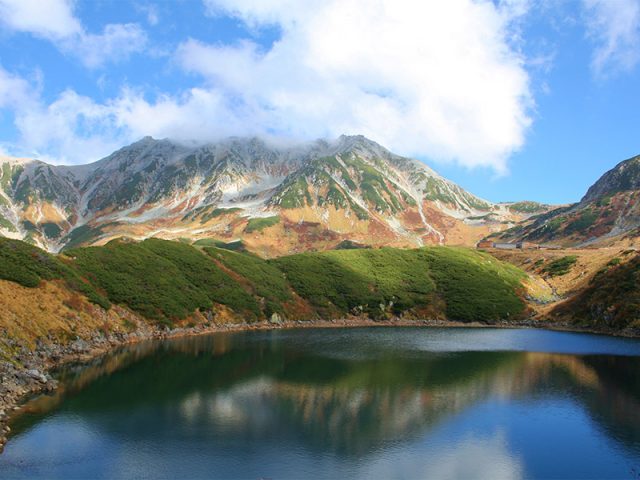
[(517, 99)]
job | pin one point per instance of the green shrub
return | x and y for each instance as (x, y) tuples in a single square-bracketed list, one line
[(583, 222), (265, 280), (344, 280), (166, 281), (560, 266), (237, 245), (161, 280), (28, 265), (473, 286), (259, 224)]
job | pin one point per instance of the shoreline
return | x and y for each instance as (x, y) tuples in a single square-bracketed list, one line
[(33, 377)]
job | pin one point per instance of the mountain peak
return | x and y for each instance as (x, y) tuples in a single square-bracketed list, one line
[(310, 195), (360, 143), (623, 177)]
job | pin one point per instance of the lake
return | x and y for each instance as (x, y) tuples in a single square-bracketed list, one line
[(342, 403)]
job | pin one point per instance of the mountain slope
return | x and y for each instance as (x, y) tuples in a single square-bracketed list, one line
[(609, 212), (167, 282), (277, 199)]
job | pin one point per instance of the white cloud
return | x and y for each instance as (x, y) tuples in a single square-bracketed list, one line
[(614, 26), (435, 79), (15, 91), (150, 11), (56, 22), (52, 21), (117, 42), (439, 79)]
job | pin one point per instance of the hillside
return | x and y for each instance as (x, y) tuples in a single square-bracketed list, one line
[(611, 299), (609, 213), (276, 199), (171, 283), (597, 288)]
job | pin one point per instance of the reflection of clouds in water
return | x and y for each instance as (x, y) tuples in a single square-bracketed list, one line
[(243, 406), (471, 457), (43, 449), (291, 413)]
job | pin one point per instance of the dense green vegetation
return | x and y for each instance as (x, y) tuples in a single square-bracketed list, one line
[(582, 222), (28, 265), (162, 280), (166, 281), (51, 230), (83, 234), (235, 245), (352, 280), (6, 224), (560, 266), (473, 286), (259, 224), (295, 193), (208, 212), (526, 207), (265, 280)]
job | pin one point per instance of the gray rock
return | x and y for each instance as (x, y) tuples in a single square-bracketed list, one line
[(36, 375), (79, 346)]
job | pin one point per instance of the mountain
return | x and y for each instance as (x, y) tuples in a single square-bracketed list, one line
[(276, 199), (608, 213)]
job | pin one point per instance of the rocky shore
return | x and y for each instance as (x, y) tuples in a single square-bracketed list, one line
[(30, 371)]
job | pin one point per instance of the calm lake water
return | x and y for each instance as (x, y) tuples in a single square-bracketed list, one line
[(342, 403)]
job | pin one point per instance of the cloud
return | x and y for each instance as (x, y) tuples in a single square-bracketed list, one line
[(442, 80), (15, 91), (150, 11), (71, 129), (57, 24), (54, 22), (614, 27), (117, 42), (436, 79)]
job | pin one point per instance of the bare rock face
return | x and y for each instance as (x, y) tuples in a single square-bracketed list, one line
[(348, 189), (609, 211), (37, 375), (623, 177)]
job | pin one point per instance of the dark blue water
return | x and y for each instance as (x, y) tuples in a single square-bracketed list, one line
[(352, 403)]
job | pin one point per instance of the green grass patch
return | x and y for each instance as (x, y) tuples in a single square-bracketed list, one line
[(560, 266), (526, 207), (583, 222), (259, 224), (235, 245), (51, 230), (162, 280), (166, 281), (6, 224), (82, 234), (473, 286), (28, 265), (267, 281)]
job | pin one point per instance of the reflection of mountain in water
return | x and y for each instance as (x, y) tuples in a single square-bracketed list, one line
[(235, 388)]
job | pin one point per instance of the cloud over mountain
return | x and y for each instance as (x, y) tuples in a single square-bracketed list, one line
[(441, 80)]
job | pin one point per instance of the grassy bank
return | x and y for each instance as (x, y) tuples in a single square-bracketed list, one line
[(167, 281)]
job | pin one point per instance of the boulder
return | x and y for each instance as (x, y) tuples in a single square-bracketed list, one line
[(37, 375)]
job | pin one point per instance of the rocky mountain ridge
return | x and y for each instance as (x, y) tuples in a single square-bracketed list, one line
[(277, 199), (609, 213)]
